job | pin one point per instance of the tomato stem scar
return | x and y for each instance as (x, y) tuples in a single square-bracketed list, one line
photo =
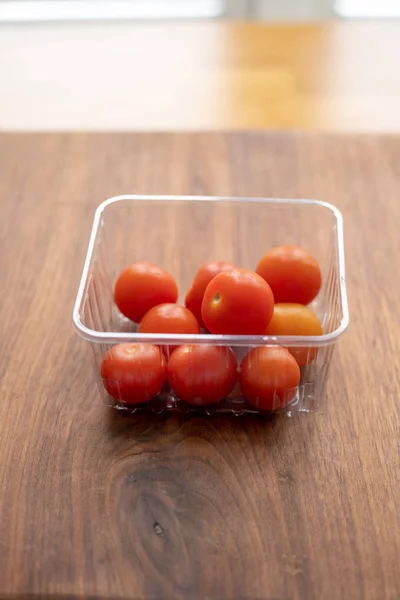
[(216, 298), (131, 350)]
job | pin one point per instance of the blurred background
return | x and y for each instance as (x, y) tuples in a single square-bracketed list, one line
[(31, 10), (199, 64)]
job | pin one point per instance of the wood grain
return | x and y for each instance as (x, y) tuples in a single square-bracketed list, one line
[(209, 75), (95, 505)]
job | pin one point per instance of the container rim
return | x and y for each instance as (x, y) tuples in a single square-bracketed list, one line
[(115, 337)]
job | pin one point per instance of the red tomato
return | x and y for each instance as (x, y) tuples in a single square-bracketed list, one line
[(202, 374), (142, 286), (133, 373), (295, 319), (194, 297), (169, 318), (293, 274), (237, 302), (268, 376)]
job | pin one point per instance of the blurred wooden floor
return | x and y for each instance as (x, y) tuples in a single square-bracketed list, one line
[(334, 76)]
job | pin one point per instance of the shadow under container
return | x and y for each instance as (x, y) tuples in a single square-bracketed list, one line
[(182, 233)]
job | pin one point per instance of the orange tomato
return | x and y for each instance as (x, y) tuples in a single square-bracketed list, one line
[(293, 274), (142, 286), (269, 377), (133, 373), (194, 297), (296, 319), (237, 302), (201, 374)]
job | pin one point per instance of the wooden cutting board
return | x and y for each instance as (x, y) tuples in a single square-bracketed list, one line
[(98, 505)]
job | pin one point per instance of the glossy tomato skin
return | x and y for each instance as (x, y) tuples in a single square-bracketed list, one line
[(293, 274), (237, 302), (208, 271), (133, 373), (296, 319), (142, 286), (201, 374), (169, 318), (269, 377)]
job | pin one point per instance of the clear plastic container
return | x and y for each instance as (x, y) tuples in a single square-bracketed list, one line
[(182, 233)]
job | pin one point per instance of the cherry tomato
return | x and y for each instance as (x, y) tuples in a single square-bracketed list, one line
[(202, 374), (142, 286), (169, 318), (194, 297), (295, 319), (133, 373), (237, 302), (293, 274), (268, 376)]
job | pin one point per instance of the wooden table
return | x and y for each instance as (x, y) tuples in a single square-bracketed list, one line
[(97, 505), (330, 76)]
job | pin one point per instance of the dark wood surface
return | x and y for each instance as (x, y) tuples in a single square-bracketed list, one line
[(97, 505)]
